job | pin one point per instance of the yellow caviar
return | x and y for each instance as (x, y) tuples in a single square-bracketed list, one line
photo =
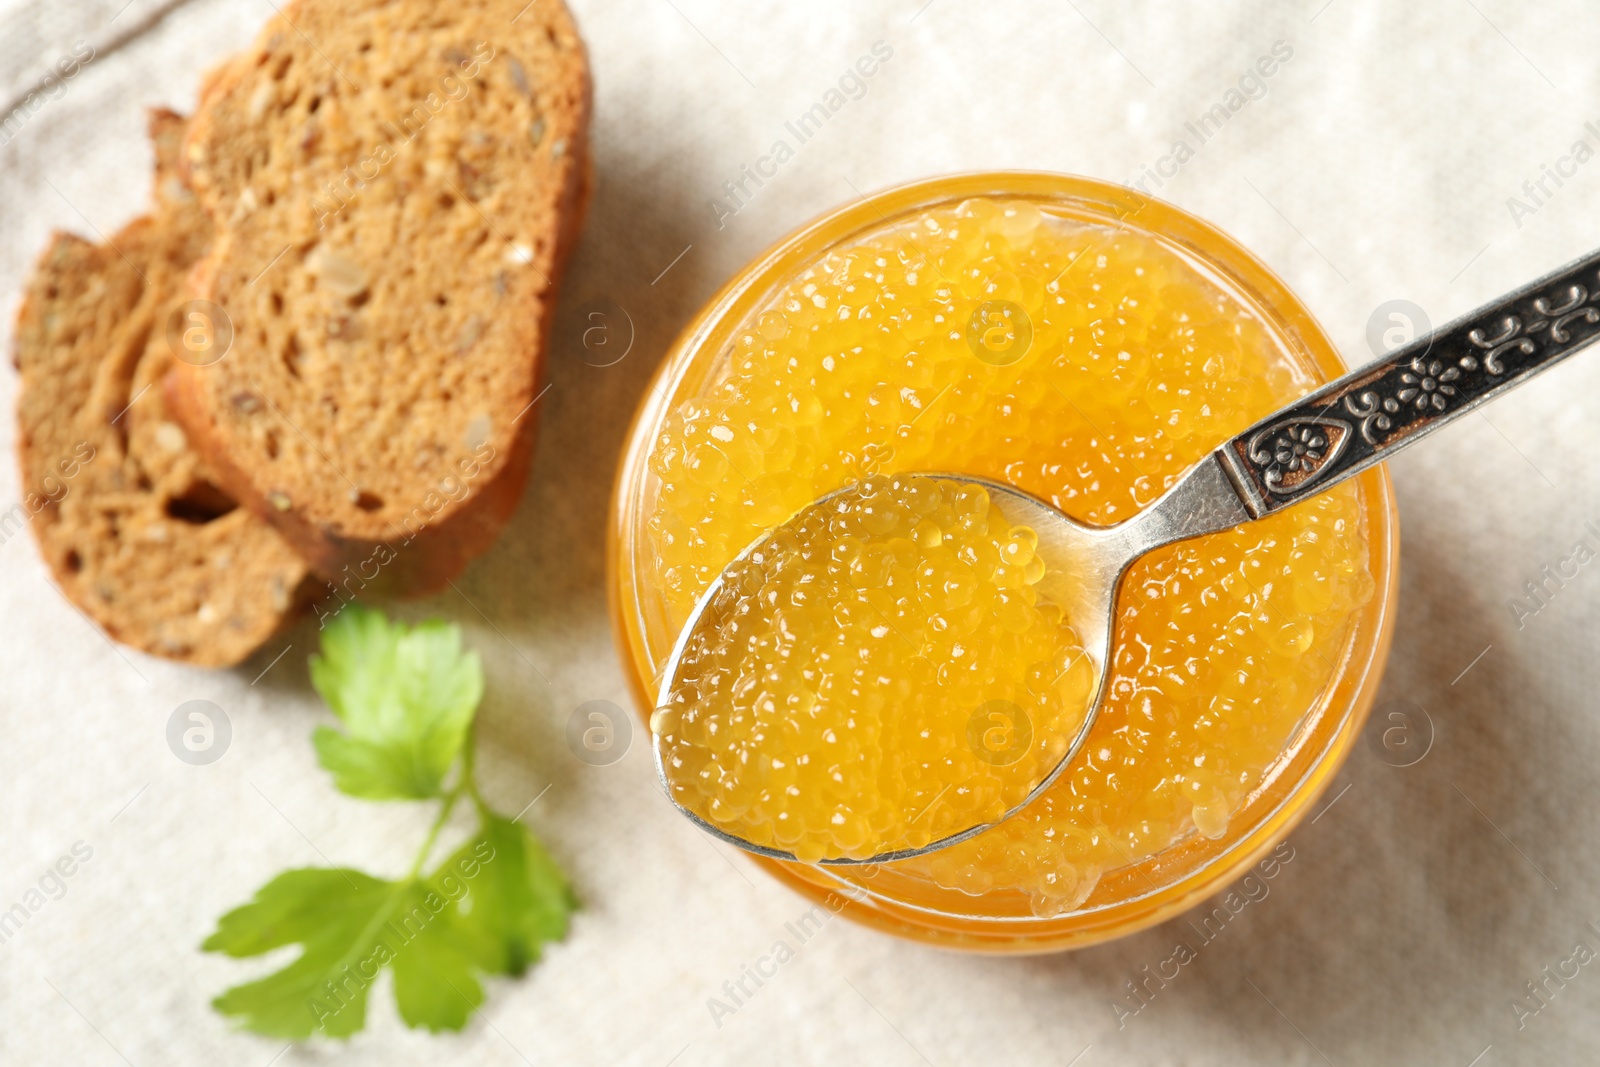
[(1089, 366), (878, 674)]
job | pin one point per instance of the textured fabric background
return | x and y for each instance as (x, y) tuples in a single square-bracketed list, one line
[(1377, 166)]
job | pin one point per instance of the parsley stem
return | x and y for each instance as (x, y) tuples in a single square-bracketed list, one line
[(465, 782), (433, 832), (484, 811), (470, 780)]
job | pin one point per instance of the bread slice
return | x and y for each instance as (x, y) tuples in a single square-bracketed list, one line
[(396, 184), (129, 520)]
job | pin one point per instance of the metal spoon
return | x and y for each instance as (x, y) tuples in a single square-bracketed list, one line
[(1309, 446)]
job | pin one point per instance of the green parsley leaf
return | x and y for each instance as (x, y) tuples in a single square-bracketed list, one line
[(336, 915), (406, 696), (435, 967), (513, 898), (488, 909), (350, 931)]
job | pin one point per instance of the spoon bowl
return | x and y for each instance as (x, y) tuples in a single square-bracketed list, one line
[(1083, 567)]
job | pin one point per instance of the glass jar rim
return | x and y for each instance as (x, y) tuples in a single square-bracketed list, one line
[(1363, 653)]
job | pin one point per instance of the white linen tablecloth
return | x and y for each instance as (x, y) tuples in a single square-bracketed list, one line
[(1386, 158)]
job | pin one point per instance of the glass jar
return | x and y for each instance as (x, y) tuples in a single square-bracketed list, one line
[(1191, 869)]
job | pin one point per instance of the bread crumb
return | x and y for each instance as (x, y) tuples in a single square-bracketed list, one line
[(519, 76), (244, 205), (262, 97), (338, 275), (477, 434), (468, 336), (279, 500), (342, 328), (169, 437)]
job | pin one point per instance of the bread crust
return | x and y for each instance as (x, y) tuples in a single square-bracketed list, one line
[(415, 545)]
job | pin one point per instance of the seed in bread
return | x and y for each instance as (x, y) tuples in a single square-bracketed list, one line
[(396, 186), (129, 520)]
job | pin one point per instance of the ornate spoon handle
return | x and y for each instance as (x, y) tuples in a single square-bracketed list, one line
[(1372, 412)]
